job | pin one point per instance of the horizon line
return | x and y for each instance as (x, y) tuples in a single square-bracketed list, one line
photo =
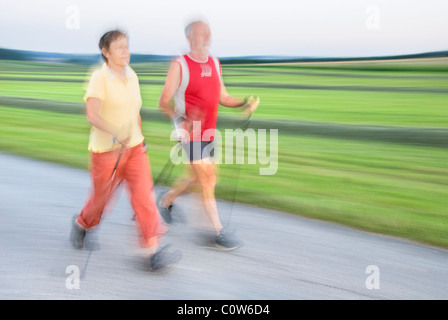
[(442, 52)]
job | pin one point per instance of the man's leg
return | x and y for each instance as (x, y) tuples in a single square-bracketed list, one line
[(205, 175), (180, 186), (165, 199)]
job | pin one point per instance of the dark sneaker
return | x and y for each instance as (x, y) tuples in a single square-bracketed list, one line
[(77, 234), (164, 211), (226, 240), (91, 241), (163, 258)]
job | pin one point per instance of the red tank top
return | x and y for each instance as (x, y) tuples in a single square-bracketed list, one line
[(198, 96)]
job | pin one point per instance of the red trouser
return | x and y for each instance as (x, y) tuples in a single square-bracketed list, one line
[(135, 170)]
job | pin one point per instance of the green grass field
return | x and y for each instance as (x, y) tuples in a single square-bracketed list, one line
[(394, 188)]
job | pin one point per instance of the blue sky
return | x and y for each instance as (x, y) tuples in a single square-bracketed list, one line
[(319, 28)]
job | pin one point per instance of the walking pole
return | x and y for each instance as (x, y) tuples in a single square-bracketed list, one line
[(168, 167), (178, 119), (244, 125)]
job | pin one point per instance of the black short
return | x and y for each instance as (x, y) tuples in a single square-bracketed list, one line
[(197, 150)]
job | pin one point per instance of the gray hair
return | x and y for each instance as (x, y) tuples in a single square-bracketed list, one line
[(189, 28)]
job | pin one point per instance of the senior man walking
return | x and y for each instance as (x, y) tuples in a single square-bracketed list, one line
[(195, 84)]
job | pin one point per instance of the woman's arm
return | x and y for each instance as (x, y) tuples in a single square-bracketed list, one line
[(93, 110)]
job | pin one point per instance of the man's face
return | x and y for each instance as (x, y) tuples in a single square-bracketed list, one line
[(200, 36), (118, 52)]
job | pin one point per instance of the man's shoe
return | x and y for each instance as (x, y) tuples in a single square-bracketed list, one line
[(164, 211), (226, 240)]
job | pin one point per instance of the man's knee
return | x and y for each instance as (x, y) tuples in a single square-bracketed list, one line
[(206, 176)]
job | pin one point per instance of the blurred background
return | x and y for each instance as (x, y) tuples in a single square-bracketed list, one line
[(358, 91)]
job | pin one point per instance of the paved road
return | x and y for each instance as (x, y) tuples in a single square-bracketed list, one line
[(284, 257)]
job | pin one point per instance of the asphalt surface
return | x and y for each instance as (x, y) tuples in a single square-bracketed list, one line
[(284, 257)]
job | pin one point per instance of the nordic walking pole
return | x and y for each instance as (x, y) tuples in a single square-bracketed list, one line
[(178, 119), (168, 167), (244, 125), (84, 270)]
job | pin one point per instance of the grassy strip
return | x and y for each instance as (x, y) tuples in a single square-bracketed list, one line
[(303, 101), (350, 107), (410, 135), (284, 84)]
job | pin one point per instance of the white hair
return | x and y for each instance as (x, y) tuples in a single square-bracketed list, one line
[(189, 27)]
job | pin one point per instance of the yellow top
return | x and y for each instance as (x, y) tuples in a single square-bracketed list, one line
[(121, 103)]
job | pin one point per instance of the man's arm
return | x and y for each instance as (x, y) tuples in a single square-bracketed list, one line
[(171, 85), (249, 104), (227, 100)]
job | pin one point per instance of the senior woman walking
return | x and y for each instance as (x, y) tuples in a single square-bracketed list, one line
[(118, 152)]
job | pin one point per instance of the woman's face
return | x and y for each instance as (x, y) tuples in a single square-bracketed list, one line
[(118, 53)]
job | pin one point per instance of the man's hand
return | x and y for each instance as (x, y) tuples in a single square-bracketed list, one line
[(250, 105), (180, 126)]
